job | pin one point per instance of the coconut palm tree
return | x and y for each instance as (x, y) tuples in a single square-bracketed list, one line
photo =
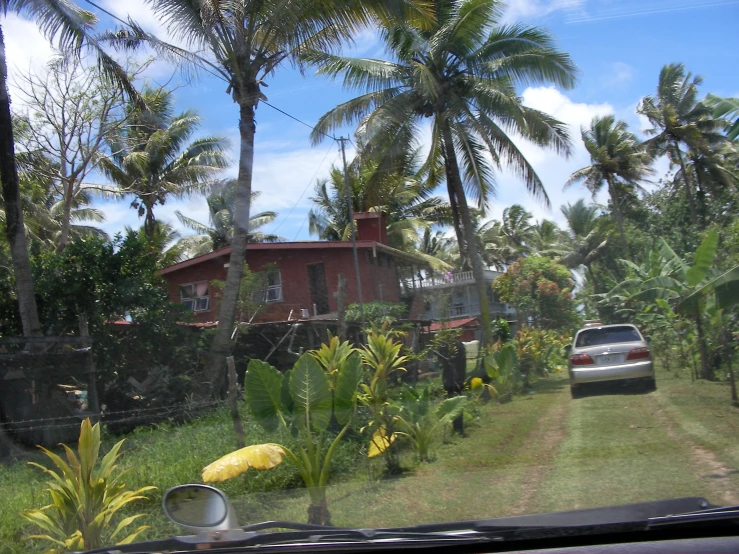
[(584, 241), (70, 27), (218, 234), (457, 70), (545, 238), (244, 43), (503, 242), (391, 186), (616, 158), (681, 124), (152, 160)]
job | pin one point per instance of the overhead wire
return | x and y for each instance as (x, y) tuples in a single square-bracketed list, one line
[(304, 190)]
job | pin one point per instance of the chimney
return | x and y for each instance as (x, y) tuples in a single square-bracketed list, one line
[(371, 226)]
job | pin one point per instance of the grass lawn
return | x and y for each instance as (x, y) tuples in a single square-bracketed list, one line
[(540, 452)]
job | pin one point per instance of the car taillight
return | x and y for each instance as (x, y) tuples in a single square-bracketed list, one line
[(581, 359), (638, 354)]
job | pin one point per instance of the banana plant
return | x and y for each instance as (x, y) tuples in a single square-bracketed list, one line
[(419, 419), (300, 402), (502, 367)]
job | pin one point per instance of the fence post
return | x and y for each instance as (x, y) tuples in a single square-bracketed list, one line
[(232, 400)]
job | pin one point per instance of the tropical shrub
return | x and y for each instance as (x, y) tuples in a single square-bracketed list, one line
[(301, 403), (419, 419), (377, 313), (382, 356), (502, 367), (540, 352), (86, 497), (541, 291)]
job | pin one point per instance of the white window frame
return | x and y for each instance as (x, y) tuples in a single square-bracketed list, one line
[(193, 300), (270, 294)]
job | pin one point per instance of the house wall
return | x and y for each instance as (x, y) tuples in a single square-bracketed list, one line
[(378, 275)]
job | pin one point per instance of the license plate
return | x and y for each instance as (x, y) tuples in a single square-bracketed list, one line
[(609, 359)]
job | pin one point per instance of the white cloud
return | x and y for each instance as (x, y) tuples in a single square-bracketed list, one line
[(554, 170), (618, 74), (530, 9), (25, 48)]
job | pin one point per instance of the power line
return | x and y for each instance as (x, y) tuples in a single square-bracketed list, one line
[(300, 121), (304, 190)]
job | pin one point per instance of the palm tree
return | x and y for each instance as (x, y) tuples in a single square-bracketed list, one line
[(243, 44), (459, 68), (545, 238), (503, 242), (69, 26), (162, 242), (394, 189), (681, 124), (584, 241), (218, 234), (152, 160), (617, 158)]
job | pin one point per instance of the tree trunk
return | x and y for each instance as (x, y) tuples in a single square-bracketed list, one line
[(318, 513), (727, 353), (617, 211), (149, 223), (66, 216), (227, 313), (706, 372), (688, 186), (457, 226), (473, 257), (14, 228)]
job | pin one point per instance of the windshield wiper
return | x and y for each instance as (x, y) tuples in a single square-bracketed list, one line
[(613, 519), (723, 513)]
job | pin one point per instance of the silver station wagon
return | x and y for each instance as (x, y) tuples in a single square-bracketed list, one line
[(609, 353)]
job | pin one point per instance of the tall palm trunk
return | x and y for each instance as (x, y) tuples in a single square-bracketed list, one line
[(688, 185), (457, 224), (227, 313), (14, 228), (451, 167), (617, 210)]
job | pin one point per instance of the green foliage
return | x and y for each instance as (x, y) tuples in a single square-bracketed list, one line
[(502, 366), (377, 313), (86, 497), (540, 289), (301, 402), (419, 419), (541, 351)]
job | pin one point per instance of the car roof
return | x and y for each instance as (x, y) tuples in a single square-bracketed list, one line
[(608, 326)]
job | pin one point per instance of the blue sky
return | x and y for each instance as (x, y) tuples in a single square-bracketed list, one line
[(618, 45)]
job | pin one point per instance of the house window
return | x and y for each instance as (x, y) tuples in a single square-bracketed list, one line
[(195, 296), (272, 291)]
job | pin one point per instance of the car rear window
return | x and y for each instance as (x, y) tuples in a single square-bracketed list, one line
[(609, 335)]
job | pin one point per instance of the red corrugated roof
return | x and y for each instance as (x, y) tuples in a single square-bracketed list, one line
[(454, 324)]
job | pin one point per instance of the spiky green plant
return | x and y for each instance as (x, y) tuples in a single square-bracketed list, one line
[(86, 497)]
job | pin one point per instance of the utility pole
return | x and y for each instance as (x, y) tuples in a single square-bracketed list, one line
[(350, 213)]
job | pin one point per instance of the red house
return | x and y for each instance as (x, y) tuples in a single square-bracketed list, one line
[(300, 278)]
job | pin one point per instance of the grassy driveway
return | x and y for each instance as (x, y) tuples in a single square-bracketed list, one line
[(540, 452)]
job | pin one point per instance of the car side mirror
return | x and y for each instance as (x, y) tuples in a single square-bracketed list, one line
[(567, 347), (199, 508), (648, 339)]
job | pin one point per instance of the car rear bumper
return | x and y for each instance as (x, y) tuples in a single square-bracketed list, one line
[(589, 374)]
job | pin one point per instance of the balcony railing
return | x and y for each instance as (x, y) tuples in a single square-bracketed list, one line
[(458, 311), (454, 279)]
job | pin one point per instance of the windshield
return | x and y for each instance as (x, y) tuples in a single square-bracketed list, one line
[(343, 261), (609, 335)]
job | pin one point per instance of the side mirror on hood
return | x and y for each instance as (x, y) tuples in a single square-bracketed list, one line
[(199, 508)]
